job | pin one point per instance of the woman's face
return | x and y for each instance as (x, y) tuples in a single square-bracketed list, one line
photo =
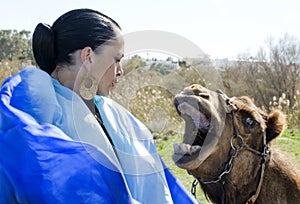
[(106, 66)]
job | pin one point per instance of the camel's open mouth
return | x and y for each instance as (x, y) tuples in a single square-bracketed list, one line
[(199, 120)]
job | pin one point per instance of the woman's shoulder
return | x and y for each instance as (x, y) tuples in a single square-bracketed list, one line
[(31, 90), (29, 81), (33, 72), (27, 74)]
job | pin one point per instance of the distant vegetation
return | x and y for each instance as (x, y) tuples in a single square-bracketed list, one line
[(15, 51), (271, 78)]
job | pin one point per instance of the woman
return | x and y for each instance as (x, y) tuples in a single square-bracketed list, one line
[(56, 147)]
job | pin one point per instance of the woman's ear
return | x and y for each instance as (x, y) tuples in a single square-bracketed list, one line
[(85, 55)]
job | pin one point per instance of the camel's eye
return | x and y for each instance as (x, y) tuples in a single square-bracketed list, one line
[(250, 122)]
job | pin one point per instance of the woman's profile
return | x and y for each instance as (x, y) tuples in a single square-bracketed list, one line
[(62, 140)]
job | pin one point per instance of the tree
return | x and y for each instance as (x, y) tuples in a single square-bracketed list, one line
[(272, 72), (14, 44), (280, 66), (161, 68), (133, 63)]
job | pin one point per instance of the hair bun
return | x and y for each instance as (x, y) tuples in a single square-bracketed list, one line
[(45, 26), (43, 45)]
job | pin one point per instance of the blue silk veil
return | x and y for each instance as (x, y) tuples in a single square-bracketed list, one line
[(52, 149), (146, 175)]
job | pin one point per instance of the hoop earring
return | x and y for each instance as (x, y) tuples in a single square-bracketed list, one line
[(88, 88)]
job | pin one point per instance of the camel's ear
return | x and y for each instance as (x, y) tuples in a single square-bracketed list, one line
[(276, 123)]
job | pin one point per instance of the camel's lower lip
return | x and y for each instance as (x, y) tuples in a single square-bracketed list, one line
[(185, 153)]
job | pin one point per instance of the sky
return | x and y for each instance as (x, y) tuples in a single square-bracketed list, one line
[(220, 28)]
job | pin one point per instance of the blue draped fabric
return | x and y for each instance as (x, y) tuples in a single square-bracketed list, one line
[(148, 178), (52, 149), (39, 162)]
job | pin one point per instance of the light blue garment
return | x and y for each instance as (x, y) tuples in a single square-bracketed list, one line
[(148, 179), (52, 149), (40, 161)]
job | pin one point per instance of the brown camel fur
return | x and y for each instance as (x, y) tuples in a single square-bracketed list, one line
[(223, 147)]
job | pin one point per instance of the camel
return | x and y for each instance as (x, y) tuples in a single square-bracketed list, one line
[(227, 148)]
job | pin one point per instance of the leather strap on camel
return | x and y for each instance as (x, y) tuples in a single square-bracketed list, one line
[(237, 143)]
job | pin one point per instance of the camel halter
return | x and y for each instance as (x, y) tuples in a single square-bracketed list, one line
[(237, 143)]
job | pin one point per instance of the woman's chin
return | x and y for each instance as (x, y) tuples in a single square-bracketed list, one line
[(103, 93)]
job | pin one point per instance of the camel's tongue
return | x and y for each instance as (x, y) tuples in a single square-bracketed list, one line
[(198, 118), (186, 149)]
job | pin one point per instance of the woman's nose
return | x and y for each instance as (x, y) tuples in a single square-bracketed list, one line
[(120, 70)]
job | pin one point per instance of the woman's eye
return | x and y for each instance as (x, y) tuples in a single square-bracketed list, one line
[(250, 122)]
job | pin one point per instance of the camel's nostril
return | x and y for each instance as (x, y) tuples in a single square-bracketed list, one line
[(201, 93), (204, 95)]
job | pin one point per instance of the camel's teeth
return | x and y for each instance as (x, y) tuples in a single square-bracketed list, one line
[(186, 149), (181, 148), (195, 149)]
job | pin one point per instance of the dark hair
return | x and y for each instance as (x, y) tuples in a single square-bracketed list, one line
[(74, 30)]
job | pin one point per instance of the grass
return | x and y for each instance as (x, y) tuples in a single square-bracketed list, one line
[(165, 149), (289, 142)]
